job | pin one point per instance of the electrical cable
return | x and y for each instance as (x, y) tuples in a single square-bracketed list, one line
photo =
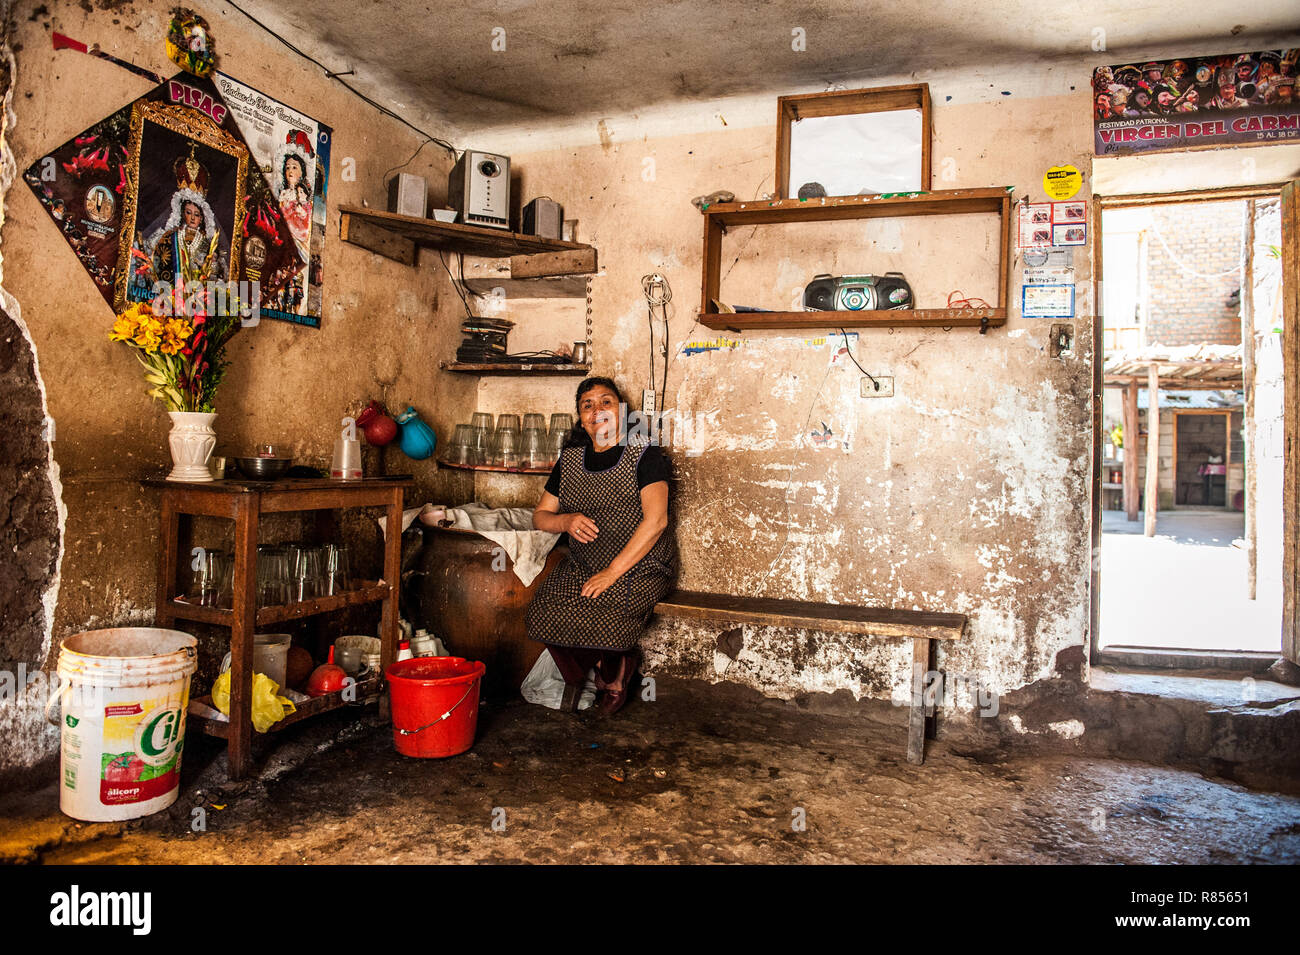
[(331, 74), (409, 161), (658, 293), (855, 361), (456, 285), (1190, 271)]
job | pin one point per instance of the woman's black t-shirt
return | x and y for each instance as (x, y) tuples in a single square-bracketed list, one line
[(652, 468)]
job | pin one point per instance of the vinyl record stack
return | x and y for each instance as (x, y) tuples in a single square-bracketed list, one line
[(485, 340)]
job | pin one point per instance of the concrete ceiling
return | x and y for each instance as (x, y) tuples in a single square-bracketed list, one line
[(434, 63)]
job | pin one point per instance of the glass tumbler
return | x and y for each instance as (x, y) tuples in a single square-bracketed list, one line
[(482, 419), (336, 572), (272, 576), (506, 451), (305, 580), (508, 422), (532, 421), (481, 449), (534, 451), (210, 569)]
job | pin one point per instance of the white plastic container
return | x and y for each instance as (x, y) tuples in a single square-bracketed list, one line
[(123, 692), (270, 656)]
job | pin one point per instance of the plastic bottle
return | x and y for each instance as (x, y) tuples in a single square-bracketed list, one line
[(404, 651)]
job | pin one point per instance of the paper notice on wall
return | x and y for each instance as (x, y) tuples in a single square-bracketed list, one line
[(1035, 230), (292, 150), (1047, 301), (1049, 275)]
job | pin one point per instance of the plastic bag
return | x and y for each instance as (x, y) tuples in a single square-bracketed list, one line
[(268, 706), (545, 686)]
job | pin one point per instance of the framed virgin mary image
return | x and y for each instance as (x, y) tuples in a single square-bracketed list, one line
[(184, 209)]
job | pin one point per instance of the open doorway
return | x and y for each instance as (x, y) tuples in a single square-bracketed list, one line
[(1192, 425)]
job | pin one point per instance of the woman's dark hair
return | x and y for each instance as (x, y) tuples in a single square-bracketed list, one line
[(284, 170), (578, 437)]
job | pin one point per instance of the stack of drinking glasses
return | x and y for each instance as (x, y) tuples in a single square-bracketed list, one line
[(561, 425), (295, 572), (481, 438), (506, 443), (213, 572), (534, 453)]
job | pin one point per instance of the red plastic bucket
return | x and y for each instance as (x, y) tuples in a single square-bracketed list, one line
[(434, 704)]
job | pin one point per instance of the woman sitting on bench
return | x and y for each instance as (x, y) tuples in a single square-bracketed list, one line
[(609, 493)]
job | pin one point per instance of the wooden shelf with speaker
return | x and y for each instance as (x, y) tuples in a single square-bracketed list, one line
[(722, 216), (397, 237)]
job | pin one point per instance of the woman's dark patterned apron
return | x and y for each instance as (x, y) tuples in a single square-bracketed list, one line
[(559, 614)]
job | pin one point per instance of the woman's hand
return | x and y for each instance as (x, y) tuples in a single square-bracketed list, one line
[(597, 584), (581, 528)]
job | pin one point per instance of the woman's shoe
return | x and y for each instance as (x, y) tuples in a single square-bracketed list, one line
[(610, 702)]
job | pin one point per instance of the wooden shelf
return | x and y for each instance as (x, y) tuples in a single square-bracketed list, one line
[(544, 286), (718, 218), (878, 318), (492, 467), (367, 691), (943, 202), (398, 236), (222, 617), (514, 368)]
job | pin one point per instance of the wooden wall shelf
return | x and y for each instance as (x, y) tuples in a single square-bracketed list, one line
[(718, 218), (514, 368), (398, 236), (492, 467)]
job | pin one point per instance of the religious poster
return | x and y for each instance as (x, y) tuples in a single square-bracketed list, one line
[(164, 194), (1237, 99), (292, 151)]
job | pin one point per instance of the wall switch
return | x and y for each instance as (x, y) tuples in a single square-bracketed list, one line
[(648, 402), (886, 389), (1062, 344)]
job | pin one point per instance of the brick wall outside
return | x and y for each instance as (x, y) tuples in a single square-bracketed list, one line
[(1184, 309)]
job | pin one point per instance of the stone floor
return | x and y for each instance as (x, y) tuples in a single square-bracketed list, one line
[(702, 774), (1186, 586)]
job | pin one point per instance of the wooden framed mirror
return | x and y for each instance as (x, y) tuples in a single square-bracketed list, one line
[(854, 142)]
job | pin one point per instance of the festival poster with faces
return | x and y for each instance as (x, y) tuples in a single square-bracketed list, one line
[(162, 191), (292, 151)]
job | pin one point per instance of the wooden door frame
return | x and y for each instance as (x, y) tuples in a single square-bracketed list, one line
[(1227, 453), (1291, 362)]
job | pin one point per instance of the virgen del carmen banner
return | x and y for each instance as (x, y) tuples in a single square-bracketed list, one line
[(1234, 99)]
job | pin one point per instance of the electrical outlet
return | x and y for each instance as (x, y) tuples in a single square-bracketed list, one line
[(886, 388), (648, 401)]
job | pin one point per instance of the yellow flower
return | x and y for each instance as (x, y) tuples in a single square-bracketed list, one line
[(178, 330), (148, 334), (170, 346), (123, 328)]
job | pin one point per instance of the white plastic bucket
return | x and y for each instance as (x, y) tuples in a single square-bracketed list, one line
[(124, 693)]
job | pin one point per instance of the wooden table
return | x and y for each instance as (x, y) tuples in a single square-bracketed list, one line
[(244, 502)]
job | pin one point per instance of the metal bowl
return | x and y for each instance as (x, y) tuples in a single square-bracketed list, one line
[(263, 469)]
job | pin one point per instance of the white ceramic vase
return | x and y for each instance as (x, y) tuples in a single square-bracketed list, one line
[(191, 440)]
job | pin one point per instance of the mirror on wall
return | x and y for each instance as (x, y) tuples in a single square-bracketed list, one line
[(854, 142)]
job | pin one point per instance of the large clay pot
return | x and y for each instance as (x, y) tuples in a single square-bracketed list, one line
[(471, 597), (191, 441)]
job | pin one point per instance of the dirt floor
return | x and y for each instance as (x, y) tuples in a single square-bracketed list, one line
[(702, 774)]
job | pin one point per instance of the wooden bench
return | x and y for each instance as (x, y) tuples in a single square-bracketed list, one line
[(921, 626)]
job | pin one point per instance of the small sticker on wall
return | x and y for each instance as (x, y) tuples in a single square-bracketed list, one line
[(1062, 182)]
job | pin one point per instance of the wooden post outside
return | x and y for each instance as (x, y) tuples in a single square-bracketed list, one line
[(1291, 423), (1153, 448), (1132, 440), (1248, 387)]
